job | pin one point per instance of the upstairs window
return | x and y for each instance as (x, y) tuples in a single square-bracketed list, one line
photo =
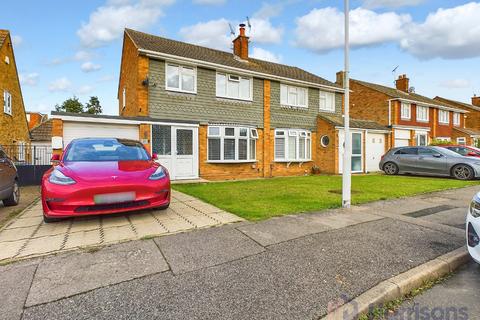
[(293, 96), (327, 101), (422, 114), (232, 144), (406, 111), (443, 116), (181, 78), (7, 102), (456, 119), (293, 145), (234, 87)]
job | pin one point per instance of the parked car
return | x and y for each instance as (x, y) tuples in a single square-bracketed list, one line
[(430, 161), (101, 176), (464, 150), (473, 228), (9, 189)]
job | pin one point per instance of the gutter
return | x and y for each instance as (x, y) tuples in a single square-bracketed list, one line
[(173, 58), (429, 105)]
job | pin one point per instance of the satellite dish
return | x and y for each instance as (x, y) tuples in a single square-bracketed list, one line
[(411, 89)]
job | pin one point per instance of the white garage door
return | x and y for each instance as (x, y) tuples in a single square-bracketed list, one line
[(75, 130), (375, 145)]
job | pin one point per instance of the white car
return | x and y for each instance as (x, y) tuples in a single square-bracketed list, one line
[(473, 228)]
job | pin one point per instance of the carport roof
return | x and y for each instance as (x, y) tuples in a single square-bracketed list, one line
[(112, 117), (42, 132), (337, 121), (468, 131)]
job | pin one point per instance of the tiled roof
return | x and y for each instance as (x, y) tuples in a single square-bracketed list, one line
[(453, 103), (186, 50), (399, 94), (337, 120), (42, 132), (3, 36), (470, 132)]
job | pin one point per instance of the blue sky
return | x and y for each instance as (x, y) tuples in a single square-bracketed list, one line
[(66, 48)]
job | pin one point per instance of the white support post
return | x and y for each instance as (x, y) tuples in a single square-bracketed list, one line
[(347, 154)]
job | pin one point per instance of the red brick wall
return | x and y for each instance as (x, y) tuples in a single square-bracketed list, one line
[(368, 104)]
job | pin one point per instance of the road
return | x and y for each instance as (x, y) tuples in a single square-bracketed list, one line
[(458, 298)]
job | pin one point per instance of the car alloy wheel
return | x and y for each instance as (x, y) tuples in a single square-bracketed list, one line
[(462, 172), (390, 168)]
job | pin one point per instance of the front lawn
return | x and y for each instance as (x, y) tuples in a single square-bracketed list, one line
[(265, 198)]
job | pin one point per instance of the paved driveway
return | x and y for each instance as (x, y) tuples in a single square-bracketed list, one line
[(27, 195), (29, 236)]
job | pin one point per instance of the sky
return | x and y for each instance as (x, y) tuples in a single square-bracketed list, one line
[(65, 48)]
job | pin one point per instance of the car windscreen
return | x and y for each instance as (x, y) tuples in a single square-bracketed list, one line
[(106, 150)]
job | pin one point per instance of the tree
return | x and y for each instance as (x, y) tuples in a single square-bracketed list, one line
[(93, 106), (70, 105)]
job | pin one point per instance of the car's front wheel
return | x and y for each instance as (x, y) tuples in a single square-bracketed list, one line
[(390, 168), (14, 198), (462, 172)]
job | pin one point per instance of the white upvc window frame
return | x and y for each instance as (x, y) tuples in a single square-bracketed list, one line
[(462, 141), (251, 135), (288, 90), (456, 119), (406, 111), (124, 97), (181, 68), (324, 105), (7, 103), (229, 78), (427, 111), (298, 134), (444, 112)]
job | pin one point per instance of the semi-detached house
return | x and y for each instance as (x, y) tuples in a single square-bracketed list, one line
[(415, 120), (224, 115)]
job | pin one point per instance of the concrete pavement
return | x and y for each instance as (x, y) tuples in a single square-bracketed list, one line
[(291, 267)]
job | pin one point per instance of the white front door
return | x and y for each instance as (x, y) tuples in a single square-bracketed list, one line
[(375, 145), (177, 150), (357, 151)]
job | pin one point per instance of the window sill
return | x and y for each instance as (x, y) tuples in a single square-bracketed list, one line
[(327, 111), (294, 107), (230, 161), (405, 119), (293, 161), (423, 121), (444, 123), (238, 100), (181, 91)]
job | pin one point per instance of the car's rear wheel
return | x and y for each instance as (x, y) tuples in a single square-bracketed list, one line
[(390, 168), (14, 198), (462, 172)]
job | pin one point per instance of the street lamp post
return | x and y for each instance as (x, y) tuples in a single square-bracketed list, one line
[(347, 154)]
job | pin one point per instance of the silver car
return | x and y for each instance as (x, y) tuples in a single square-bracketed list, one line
[(430, 161)]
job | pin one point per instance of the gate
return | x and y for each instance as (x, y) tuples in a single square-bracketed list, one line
[(32, 161)]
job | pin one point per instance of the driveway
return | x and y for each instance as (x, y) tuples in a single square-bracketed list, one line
[(27, 196), (290, 267), (28, 235)]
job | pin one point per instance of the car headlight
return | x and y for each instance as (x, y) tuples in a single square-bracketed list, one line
[(57, 177), (475, 207), (158, 174)]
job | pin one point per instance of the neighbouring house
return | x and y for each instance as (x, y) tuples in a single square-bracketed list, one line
[(14, 134), (41, 139), (35, 118), (225, 115), (472, 121), (415, 120)]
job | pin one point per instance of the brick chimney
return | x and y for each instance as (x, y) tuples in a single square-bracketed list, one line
[(35, 120), (240, 44), (403, 83), (476, 100), (340, 78)]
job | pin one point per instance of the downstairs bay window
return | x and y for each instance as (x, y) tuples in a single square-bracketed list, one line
[(231, 144), (293, 145)]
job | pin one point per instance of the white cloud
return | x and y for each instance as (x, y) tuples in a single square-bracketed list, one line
[(90, 66), (455, 84), (212, 34), (209, 2), (263, 54), (264, 32), (86, 89), (452, 33), (391, 3), (83, 55), (269, 10), (106, 78), (60, 84), (29, 79), (107, 22), (17, 40), (322, 30)]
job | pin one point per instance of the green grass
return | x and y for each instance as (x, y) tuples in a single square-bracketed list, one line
[(265, 198)]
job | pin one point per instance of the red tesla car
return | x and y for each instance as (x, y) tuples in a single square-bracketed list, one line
[(101, 176), (465, 151)]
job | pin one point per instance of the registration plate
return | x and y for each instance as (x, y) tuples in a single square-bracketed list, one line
[(114, 197)]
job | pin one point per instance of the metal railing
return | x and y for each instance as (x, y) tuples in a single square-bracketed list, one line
[(28, 154)]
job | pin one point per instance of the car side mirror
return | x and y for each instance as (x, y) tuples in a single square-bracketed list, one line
[(55, 158), (154, 156), (437, 155)]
